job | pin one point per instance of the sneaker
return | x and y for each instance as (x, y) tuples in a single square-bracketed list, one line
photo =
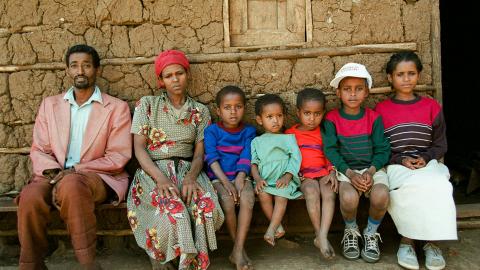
[(370, 250), (351, 250), (433, 257), (407, 257)]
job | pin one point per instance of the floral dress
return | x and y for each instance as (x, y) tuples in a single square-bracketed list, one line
[(165, 227)]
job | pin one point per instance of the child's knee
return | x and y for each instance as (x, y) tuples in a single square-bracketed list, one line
[(379, 197), (311, 190), (227, 202), (328, 194), (247, 199), (349, 198)]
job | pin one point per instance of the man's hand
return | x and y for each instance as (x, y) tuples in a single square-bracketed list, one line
[(60, 175)]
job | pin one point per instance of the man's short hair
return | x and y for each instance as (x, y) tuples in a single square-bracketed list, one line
[(82, 48)]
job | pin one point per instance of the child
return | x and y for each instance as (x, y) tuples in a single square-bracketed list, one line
[(227, 154), (317, 174), (355, 144), (275, 163), (422, 205)]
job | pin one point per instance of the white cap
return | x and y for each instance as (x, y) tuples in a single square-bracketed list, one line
[(352, 70)]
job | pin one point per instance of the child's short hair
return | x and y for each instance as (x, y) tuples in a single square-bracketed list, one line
[(352, 70), (405, 56), (230, 89), (308, 94), (266, 100)]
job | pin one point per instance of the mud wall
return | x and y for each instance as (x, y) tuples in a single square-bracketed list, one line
[(34, 35)]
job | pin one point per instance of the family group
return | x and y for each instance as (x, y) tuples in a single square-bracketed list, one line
[(194, 175)]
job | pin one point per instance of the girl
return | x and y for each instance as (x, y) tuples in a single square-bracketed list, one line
[(422, 205), (228, 155), (317, 173), (275, 163)]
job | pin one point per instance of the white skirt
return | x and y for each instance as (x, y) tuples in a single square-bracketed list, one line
[(421, 202)]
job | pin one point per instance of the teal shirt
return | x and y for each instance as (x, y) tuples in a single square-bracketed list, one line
[(78, 123), (275, 155)]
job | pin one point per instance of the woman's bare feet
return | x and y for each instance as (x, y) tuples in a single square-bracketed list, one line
[(269, 236), (280, 232), (241, 263), (325, 247)]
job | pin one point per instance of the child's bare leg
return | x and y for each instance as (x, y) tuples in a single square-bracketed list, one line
[(247, 199), (277, 216), (349, 199), (379, 198), (228, 207), (266, 202), (311, 191), (328, 209)]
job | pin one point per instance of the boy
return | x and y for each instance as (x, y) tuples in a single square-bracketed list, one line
[(354, 142)]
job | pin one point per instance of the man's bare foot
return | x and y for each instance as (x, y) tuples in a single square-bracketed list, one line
[(157, 265), (280, 232), (239, 260), (325, 247), (269, 237)]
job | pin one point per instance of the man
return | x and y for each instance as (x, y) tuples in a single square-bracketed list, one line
[(81, 142)]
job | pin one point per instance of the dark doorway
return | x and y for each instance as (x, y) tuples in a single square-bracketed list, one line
[(461, 92)]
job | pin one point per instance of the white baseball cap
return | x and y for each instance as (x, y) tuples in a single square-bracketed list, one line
[(352, 70)]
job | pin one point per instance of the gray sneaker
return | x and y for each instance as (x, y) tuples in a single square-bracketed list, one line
[(407, 257), (433, 257), (370, 250), (351, 250)]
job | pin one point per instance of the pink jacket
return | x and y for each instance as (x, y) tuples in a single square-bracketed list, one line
[(107, 142)]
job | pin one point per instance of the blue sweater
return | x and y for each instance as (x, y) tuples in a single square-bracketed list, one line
[(230, 147)]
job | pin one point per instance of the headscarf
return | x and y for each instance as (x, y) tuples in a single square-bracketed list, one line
[(167, 58)]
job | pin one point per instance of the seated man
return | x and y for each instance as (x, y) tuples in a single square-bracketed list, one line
[(81, 142)]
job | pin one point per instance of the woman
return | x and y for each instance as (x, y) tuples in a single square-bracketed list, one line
[(172, 207)]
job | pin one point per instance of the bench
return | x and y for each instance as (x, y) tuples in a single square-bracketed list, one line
[(112, 220)]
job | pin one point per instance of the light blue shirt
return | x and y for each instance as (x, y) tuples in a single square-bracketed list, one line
[(78, 123)]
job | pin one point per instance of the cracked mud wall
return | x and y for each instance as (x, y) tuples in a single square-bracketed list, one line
[(38, 32)]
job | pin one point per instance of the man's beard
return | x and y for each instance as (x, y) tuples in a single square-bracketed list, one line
[(82, 84)]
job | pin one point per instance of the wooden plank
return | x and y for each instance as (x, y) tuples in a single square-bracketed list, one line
[(468, 210), (436, 51), (226, 24), (8, 205)]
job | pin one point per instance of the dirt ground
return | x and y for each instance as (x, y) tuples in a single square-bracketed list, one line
[(292, 252)]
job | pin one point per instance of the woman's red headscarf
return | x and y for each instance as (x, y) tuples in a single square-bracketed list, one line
[(167, 58)]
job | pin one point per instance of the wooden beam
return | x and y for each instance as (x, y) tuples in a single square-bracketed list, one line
[(240, 56), (468, 210), (21, 150), (436, 51)]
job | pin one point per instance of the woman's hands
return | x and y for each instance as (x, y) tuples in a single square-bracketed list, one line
[(190, 189), (166, 188)]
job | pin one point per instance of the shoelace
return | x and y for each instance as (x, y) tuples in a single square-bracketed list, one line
[(371, 242), (436, 251), (350, 239)]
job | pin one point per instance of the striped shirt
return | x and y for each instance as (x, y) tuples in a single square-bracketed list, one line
[(355, 141), (416, 128), (314, 163), (230, 148)]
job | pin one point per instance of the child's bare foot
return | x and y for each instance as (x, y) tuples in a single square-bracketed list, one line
[(156, 265), (269, 237), (240, 261), (280, 232), (246, 257), (324, 246)]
